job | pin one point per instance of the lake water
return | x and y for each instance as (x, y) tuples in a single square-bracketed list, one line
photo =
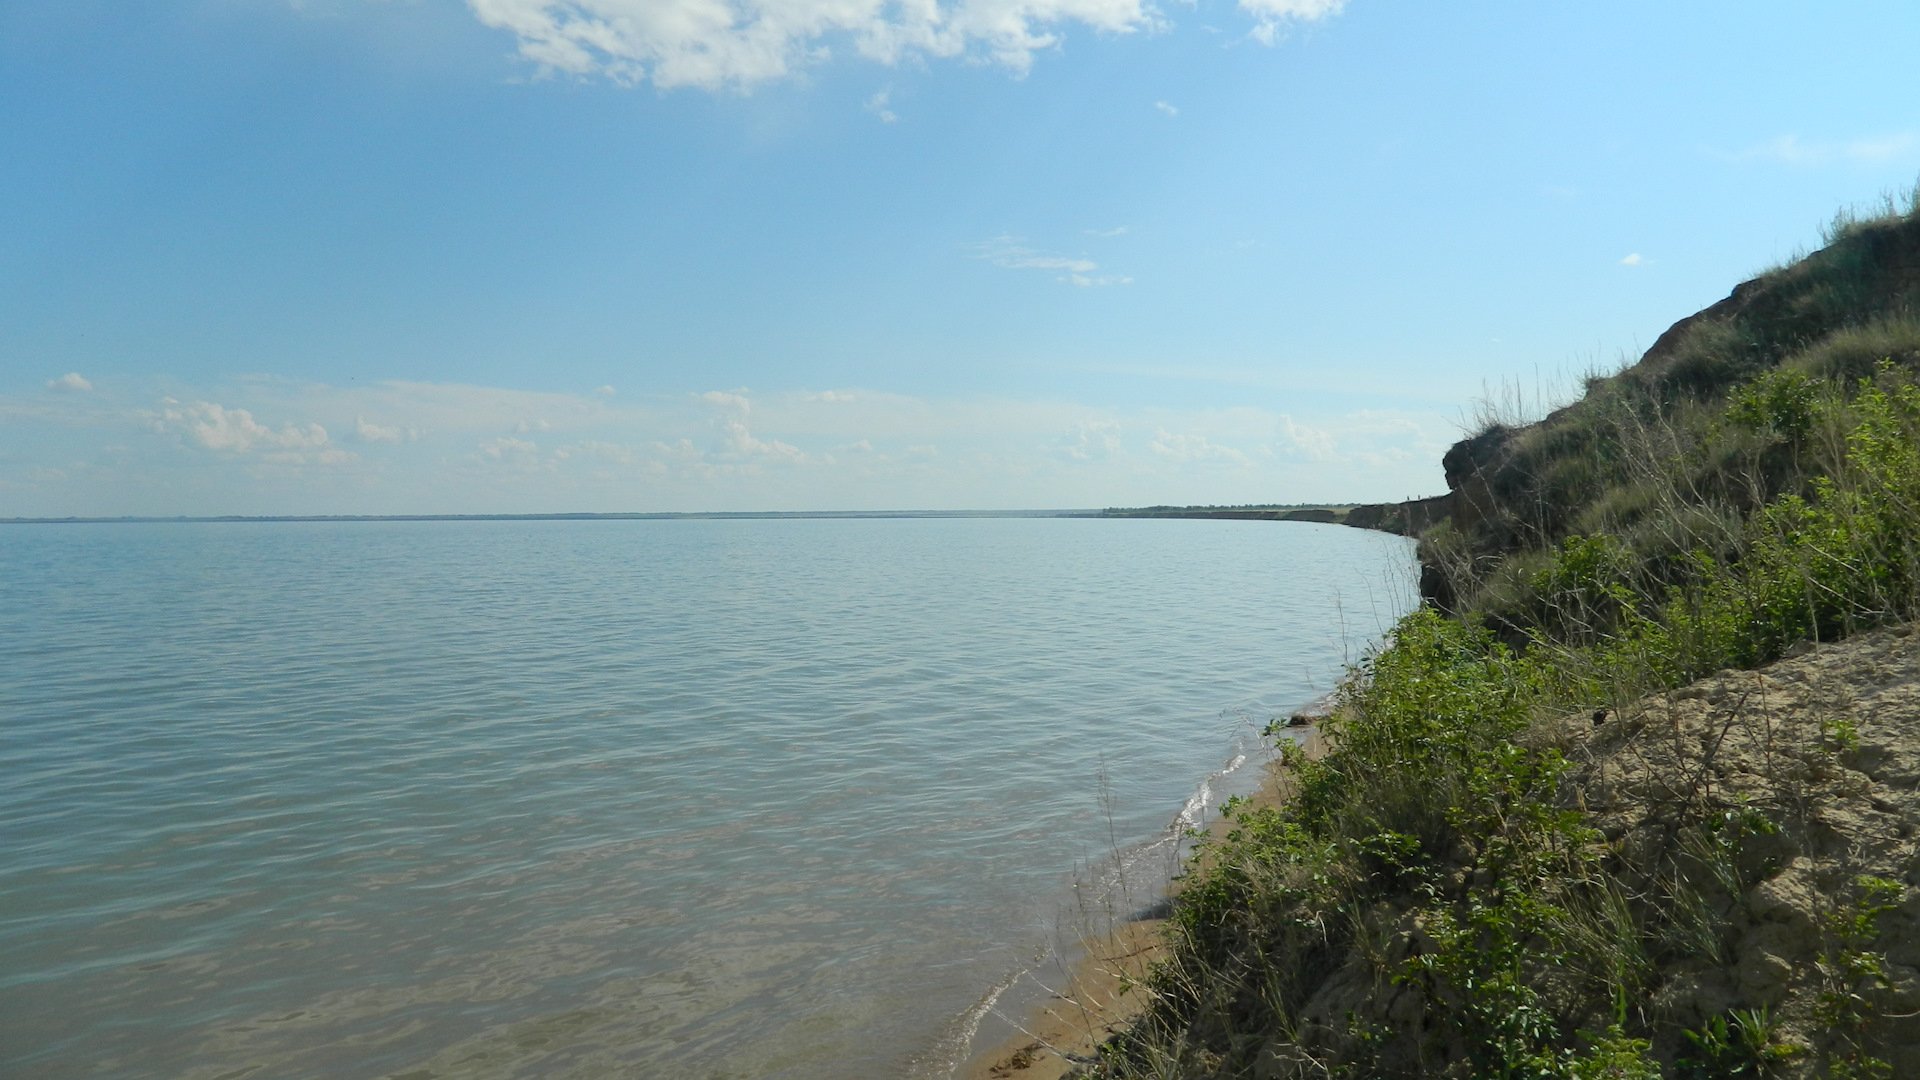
[(745, 798)]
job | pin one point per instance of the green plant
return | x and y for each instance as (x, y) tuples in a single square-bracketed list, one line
[(1783, 403), (1615, 1055), (1740, 1042), (1855, 974)]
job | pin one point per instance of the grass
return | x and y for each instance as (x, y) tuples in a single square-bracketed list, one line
[(1435, 898)]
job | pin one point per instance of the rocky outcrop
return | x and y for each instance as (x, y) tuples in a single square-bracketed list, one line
[(1410, 518), (1316, 514)]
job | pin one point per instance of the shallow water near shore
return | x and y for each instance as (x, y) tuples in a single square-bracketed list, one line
[(694, 798)]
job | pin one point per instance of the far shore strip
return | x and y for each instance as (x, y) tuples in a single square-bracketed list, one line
[(1105, 991)]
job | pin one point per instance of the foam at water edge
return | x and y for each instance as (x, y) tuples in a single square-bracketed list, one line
[(956, 1045), (1118, 877)]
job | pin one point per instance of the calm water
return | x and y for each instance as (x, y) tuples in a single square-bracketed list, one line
[(680, 798)]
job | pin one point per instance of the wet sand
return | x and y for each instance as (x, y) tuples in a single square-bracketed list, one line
[(1105, 990)]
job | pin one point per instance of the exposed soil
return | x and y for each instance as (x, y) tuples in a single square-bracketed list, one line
[(1821, 751)]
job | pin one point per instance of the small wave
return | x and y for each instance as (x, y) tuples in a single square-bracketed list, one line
[(1193, 812), (958, 1044), (1195, 808)]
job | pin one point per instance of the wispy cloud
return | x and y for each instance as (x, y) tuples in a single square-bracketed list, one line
[(1185, 448), (1106, 234), (1312, 442), (1012, 253), (1165, 109), (1633, 259), (1869, 150), (599, 450), (738, 44), (1092, 440), (878, 106), (72, 382), (508, 448), (1272, 17)]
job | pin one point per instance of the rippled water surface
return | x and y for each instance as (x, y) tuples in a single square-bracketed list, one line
[(626, 798)]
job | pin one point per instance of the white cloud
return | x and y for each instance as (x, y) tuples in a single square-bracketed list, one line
[(1186, 448), (616, 453), (1311, 441), (507, 447), (1011, 253), (735, 44), (1092, 440), (877, 105), (742, 442), (1106, 234), (1870, 150), (604, 391), (728, 399), (1633, 259), (234, 431), (1165, 109), (1272, 15), (72, 381), (368, 431)]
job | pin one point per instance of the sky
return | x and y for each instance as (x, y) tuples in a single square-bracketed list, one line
[(533, 256)]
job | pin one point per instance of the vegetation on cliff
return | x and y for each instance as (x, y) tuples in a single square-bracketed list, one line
[(1614, 806)]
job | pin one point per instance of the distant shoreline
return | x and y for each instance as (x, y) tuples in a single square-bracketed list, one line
[(1327, 513)]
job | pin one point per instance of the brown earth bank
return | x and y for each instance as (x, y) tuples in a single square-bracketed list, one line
[(1805, 923), (1808, 915)]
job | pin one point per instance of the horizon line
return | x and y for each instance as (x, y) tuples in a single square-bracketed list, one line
[(658, 515)]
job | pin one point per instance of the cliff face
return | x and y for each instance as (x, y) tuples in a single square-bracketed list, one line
[(1410, 518)]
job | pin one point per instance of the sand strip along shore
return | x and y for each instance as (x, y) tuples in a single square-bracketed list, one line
[(1104, 992)]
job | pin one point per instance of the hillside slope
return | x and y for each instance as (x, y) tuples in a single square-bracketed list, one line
[(1657, 438), (1636, 796)]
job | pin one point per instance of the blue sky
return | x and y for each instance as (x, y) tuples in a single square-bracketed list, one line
[(392, 256)]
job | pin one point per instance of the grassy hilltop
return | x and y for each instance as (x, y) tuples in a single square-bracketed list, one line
[(1635, 795)]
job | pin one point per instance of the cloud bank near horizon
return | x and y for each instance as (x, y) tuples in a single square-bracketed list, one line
[(268, 446)]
